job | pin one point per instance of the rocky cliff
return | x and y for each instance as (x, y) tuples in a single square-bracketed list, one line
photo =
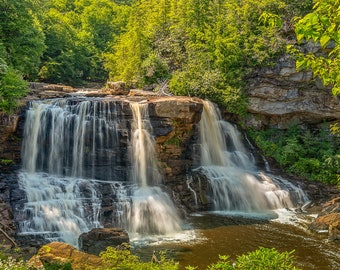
[(280, 96)]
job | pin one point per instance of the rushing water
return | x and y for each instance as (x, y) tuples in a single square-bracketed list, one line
[(152, 211), (236, 184), (75, 161), (73, 158)]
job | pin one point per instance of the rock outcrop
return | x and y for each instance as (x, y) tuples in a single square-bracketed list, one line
[(280, 96), (61, 253), (329, 219), (98, 239)]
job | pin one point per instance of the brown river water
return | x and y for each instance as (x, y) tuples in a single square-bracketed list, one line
[(229, 235)]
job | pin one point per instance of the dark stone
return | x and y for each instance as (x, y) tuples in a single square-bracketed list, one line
[(99, 239)]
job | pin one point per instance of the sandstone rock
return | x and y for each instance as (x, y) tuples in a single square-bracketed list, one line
[(185, 108), (323, 222), (334, 231), (99, 239), (329, 219), (116, 88), (280, 95), (61, 253), (58, 88), (139, 92)]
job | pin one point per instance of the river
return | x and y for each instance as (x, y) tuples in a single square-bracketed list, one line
[(229, 235)]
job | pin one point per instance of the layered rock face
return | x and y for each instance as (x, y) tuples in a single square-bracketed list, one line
[(281, 96), (10, 148)]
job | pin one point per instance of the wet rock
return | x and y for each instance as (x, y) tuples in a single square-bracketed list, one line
[(99, 239), (322, 223), (61, 253), (329, 219), (334, 231)]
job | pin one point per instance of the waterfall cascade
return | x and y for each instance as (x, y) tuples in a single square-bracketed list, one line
[(152, 211), (236, 184), (73, 160), (92, 163)]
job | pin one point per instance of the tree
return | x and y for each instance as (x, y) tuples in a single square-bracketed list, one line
[(322, 27), (21, 47), (78, 32), (21, 36), (12, 87)]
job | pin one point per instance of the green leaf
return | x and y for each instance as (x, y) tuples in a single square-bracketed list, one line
[(324, 40), (300, 64)]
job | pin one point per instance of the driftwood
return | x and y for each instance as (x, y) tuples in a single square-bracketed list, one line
[(8, 238)]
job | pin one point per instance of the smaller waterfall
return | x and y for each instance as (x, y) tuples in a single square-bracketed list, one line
[(152, 211), (60, 208), (236, 184)]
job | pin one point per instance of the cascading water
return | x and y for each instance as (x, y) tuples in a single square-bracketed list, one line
[(67, 144), (152, 211), (236, 185), (75, 161)]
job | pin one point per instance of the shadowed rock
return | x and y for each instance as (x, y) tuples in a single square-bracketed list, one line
[(99, 239)]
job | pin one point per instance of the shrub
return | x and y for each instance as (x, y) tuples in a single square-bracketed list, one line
[(122, 259), (314, 155), (262, 258), (12, 87), (12, 264)]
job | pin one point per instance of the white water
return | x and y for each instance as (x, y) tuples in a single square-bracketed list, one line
[(236, 185), (58, 208), (61, 204), (152, 211), (72, 159)]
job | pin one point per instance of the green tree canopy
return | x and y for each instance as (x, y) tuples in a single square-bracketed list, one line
[(204, 48), (322, 27)]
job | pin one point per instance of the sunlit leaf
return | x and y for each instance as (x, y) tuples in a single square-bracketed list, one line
[(324, 40)]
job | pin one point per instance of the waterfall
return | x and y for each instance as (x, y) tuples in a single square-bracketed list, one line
[(236, 184), (152, 211), (84, 167), (66, 145)]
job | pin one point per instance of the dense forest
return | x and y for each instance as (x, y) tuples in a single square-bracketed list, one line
[(204, 48), (197, 47)]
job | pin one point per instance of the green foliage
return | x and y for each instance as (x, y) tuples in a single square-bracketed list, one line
[(206, 48), (122, 259), (12, 87), (12, 264), (262, 258), (21, 36), (313, 155), (322, 27), (77, 34), (6, 162), (57, 266)]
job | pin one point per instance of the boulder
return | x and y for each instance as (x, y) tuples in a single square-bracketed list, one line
[(61, 253), (329, 219), (99, 239), (116, 88), (334, 231)]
